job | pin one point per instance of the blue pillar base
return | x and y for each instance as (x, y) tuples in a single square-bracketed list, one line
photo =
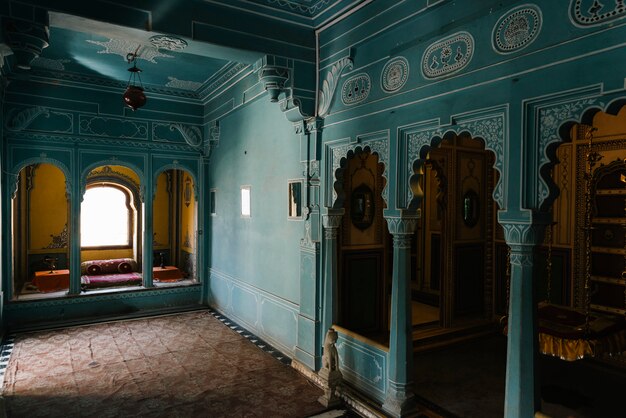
[(399, 402)]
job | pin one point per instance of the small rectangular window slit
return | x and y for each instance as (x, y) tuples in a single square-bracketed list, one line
[(245, 201), (295, 199), (212, 206)]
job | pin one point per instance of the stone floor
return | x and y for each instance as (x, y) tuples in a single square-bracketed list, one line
[(467, 380), (185, 365)]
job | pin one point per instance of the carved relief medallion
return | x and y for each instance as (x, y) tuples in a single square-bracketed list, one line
[(517, 29), (395, 74), (448, 55), (587, 13), (356, 89)]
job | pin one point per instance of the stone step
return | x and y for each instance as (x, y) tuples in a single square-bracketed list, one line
[(436, 337)]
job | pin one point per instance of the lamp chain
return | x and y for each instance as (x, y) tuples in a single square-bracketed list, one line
[(592, 158), (549, 263)]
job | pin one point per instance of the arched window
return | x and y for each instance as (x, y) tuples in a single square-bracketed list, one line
[(106, 217)]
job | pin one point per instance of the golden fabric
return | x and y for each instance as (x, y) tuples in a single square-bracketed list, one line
[(577, 349), (562, 333)]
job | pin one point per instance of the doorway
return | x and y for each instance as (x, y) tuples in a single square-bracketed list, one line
[(453, 255)]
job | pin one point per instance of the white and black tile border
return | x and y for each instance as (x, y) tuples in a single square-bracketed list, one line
[(6, 348), (252, 338)]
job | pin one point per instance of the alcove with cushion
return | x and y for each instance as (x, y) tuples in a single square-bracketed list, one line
[(108, 273)]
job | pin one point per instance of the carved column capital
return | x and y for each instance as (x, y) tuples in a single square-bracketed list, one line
[(332, 221), (331, 224), (402, 225), (519, 234)]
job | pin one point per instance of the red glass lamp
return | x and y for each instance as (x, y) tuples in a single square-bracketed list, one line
[(134, 97)]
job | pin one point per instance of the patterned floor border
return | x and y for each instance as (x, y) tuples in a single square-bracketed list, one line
[(251, 337)]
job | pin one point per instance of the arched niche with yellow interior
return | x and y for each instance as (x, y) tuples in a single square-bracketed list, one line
[(174, 228), (40, 216)]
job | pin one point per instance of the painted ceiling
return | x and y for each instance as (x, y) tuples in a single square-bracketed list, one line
[(164, 62), (312, 13), (309, 8), (85, 50)]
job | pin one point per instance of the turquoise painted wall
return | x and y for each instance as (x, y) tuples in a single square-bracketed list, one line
[(254, 261), (565, 68)]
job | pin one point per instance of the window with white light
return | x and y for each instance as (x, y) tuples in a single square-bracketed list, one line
[(106, 217), (245, 201)]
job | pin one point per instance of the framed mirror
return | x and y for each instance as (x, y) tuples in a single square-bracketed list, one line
[(362, 207), (470, 208)]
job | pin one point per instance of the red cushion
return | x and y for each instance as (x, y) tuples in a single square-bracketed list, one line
[(124, 267), (111, 280), (94, 269)]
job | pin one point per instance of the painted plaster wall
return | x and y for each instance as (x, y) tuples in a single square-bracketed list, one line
[(255, 268), (515, 100)]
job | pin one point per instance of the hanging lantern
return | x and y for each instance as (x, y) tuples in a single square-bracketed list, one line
[(134, 97)]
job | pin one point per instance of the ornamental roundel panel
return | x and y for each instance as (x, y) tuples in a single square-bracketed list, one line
[(516, 29), (356, 89), (585, 13), (395, 74), (171, 43), (448, 55)]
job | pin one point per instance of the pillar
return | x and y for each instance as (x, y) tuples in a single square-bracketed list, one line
[(76, 198), (400, 400), (521, 393), (331, 223), (309, 341), (148, 225)]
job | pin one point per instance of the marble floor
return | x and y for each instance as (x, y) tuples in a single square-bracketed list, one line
[(190, 364)]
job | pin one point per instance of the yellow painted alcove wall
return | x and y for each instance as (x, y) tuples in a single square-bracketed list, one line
[(188, 215), (161, 218), (47, 207), (174, 220), (187, 225), (40, 216)]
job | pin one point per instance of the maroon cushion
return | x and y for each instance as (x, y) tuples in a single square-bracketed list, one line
[(111, 280), (111, 266), (124, 267), (94, 269)]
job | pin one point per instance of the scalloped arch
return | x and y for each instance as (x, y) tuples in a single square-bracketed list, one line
[(339, 167), (555, 132), (90, 167), (37, 160), (166, 167), (492, 142)]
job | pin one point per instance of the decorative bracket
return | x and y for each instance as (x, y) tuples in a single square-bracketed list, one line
[(273, 79), (213, 138), (27, 38), (25, 117), (277, 76), (191, 134), (329, 85)]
